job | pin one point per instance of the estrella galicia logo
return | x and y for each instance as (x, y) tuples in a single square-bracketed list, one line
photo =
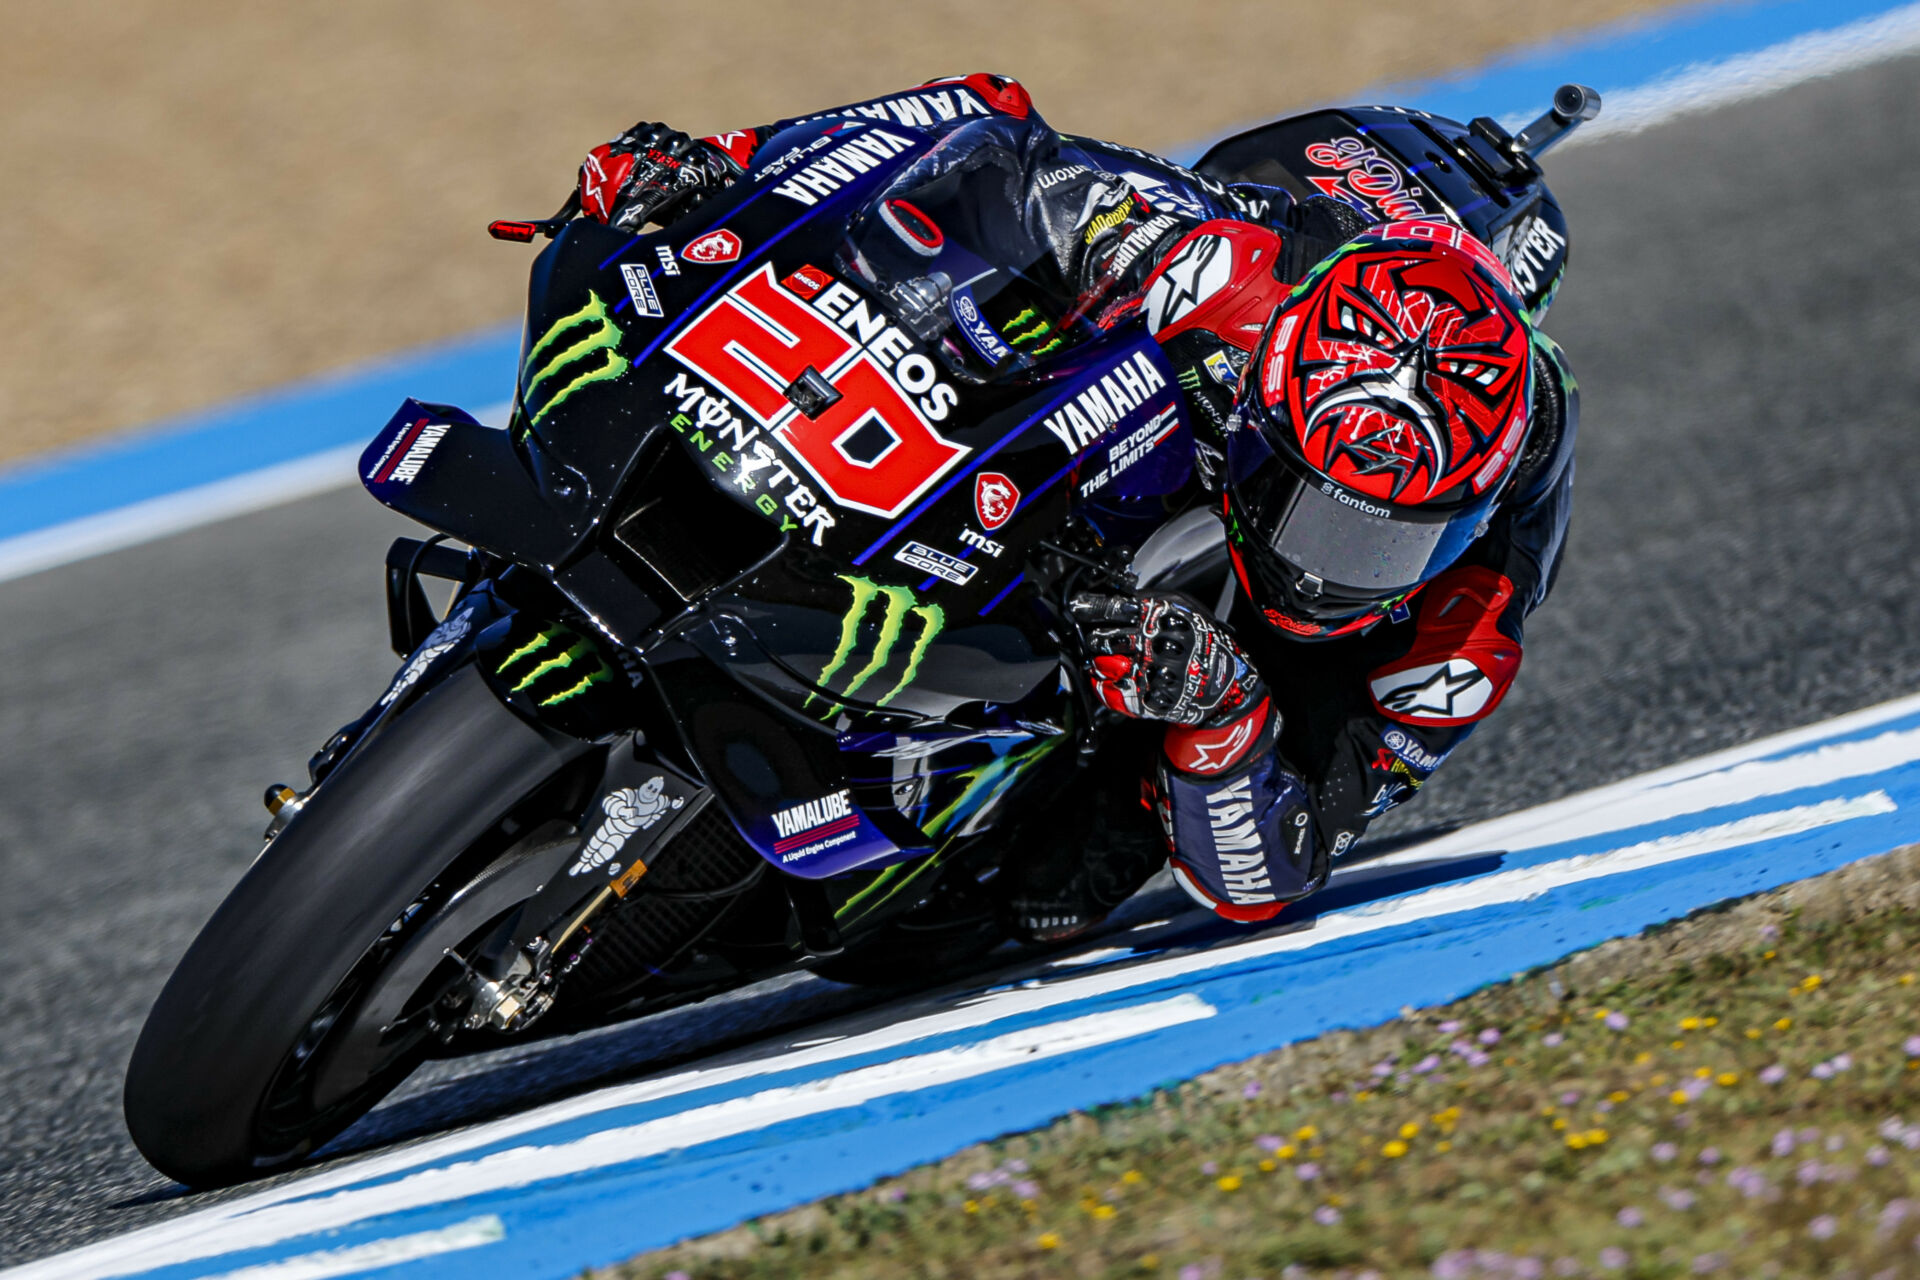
[(559, 652), (858, 634), (552, 373)]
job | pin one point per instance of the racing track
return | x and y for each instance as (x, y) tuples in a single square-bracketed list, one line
[(1744, 312)]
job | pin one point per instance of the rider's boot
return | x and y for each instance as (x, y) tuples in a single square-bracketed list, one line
[(1096, 848)]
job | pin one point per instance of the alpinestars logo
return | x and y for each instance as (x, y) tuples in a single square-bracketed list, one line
[(1198, 270), (1236, 844), (628, 810), (561, 653), (554, 372), (896, 607), (1445, 691)]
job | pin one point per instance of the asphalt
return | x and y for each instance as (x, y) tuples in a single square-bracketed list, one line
[(1744, 315)]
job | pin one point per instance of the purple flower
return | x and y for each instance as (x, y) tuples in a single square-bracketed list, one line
[(1835, 1141), (1450, 1026), (1877, 1155), (1910, 1137), (894, 1195), (1193, 1271), (1454, 1264), (1748, 1182), (1783, 1143), (1809, 1134), (1306, 1172), (1822, 1071), (1679, 1199), (1566, 1267), (1426, 1064), (1490, 1036), (676, 1275), (985, 1181), (1269, 1142), (1710, 1155), (1911, 1045), (1773, 1074), (1768, 932), (1823, 1227), (1895, 1212), (1027, 1189), (1252, 1089), (1014, 1166), (1570, 1097), (1475, 1058), (1603, 1106), (1553, 1040), (1529, 1268), (1664, 1151), (1326, 1215), (1707, 1262), (1617, 1021), (1843, 1062), (1460, 1048), (1210, 1168), (1630, 1217), (1808, 1173), (1613, 1257)]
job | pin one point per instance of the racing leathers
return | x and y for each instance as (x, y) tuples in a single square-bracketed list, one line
[(1282, 740)]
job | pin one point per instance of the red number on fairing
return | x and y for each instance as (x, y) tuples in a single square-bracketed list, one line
[(758, 339)]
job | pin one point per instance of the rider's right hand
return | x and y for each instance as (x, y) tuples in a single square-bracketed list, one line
[(651, 173)]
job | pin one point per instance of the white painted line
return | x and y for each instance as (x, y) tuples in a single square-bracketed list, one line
[(140, 522), (1099, 955), (249, 1224), (359, 1258), (1710, 86)]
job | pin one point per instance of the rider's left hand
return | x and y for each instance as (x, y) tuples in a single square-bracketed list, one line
[(1163, 658), (651, 173)]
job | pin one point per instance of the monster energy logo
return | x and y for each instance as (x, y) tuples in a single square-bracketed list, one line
[(574, 359), (897, 605), (1039, 330), (561, 652)]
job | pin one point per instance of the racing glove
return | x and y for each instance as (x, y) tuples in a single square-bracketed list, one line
[(1163, 658), (651, 173)]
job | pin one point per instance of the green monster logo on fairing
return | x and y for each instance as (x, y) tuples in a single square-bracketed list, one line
[(603, 337), (1039, 330), (561, 652), (897, 606)]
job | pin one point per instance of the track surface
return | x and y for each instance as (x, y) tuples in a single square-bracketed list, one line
[(1744, 313)]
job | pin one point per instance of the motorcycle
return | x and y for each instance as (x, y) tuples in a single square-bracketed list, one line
[(757, 655)]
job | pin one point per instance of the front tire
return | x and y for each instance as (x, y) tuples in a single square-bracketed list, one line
[(226, 1080)]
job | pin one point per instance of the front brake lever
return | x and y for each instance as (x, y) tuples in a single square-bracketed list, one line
[(522, 232)]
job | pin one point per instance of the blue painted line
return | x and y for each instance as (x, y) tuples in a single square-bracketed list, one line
[(1018, 578)]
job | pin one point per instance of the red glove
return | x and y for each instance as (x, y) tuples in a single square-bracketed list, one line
[(651, 173), (1162, 658)]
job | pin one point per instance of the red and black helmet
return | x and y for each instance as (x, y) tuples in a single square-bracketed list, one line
[(1385, 412)]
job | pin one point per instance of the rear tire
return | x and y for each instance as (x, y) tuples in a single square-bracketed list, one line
[(221, 1086)]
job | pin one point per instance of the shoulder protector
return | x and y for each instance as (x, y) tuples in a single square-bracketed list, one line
[(1219, 277), (1461, 664)]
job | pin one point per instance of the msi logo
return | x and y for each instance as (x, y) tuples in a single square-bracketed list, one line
[(994, 498), (715, 246)]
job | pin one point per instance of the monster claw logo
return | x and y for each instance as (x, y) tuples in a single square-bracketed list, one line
[(574, 359), (896, 606), (564, 654), (1040, 329)]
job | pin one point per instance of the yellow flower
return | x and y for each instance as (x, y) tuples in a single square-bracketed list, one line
[(1596, 1136), (1727, 1079), (1103, 1211), (1268, 1166), (1559, 1123), (1365, 1095), (1702, 1073), (1678, 1044), (1713, 1022), (1316, 1152), (1131, 1177), (1048, 1240), (1768, 955), (1577, 1141), (1642, 1058), (1337, 1200), (1618, 1096), (971, 1206), (1149, 1262), (1678, 1097), (1906, 979), (1394, 1149), (1410, 1128), (1689, 1024), (1811, 981), (1659, 1078), (1306, 1133), (1753, 1033), (1029, 1205), (1285, 1152), (1598, 1014), (1548, 1110), (1782, 1024), (1228, 1182), (1443, 1146)]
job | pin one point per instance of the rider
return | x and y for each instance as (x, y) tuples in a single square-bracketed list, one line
[(1394, 472)]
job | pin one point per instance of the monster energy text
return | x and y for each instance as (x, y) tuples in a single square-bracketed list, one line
[(559, 652), (896, 606), (575, 360)]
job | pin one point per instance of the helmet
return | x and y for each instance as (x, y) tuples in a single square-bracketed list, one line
[(1384, 409)]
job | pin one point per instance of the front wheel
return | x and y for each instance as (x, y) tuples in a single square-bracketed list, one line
[(258, 1050)]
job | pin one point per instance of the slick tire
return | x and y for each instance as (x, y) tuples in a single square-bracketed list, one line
[(240, 1009)]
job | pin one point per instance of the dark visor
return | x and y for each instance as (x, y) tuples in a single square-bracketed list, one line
[(1359, 547)]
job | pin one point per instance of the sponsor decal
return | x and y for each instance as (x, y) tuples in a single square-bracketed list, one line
[(1346, 499), (737, 143), (1101, 407), (1102, 223), (1221, 369), (707, 421), (807, 281), (982, 542), (994, 498), (1408, 748), (553, 370), (1198, 269), (874, 448), (408, 454), (628, 811), (1532, 252), (444, 637), (974, 327), (1342, 842), (928, 559), (646, 302), (1365, 179), (1027, 327), (558, 659), (713, 247), (669, 266), (887, 629), (921, 109), (840, 166), (1236, 844), (1139, 240), (1162, 194), (1448, 690), (1054, 177), (1136, 445), (814, 826)]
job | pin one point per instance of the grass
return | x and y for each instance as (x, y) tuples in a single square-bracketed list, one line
[(1736, 1094)]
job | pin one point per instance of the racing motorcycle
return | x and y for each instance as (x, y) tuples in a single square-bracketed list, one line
[(756, 655)]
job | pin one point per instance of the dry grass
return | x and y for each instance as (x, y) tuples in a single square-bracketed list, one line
[(1734, 1094), (217, 196)]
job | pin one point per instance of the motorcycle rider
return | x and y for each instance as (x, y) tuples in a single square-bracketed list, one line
[(1385, 436)]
